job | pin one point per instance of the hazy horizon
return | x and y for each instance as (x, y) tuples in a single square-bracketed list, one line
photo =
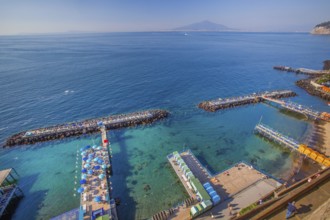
[(45, 17)]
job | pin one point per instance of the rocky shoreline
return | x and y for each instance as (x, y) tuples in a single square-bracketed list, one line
[(306, 85)]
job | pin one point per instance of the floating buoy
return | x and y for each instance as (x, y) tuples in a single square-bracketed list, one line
[(74, 195)]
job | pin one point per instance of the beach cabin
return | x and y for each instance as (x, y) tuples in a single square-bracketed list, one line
[(216, 199)]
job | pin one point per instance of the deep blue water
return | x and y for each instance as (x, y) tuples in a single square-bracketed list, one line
[(45, 80)]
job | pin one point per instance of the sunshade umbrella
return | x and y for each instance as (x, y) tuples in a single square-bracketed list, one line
[(88, 161), (99, 148), (87, 165), (83, 153), (97, 167), (90, 172), (94, 146), (96, 159), (87, 147), (101, 176), (83, 170), (80, 190), (83, 181), (85, 158), (97, 199), (100, 161), (104, 166)]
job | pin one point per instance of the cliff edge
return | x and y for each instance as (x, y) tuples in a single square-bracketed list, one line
[(323, 28)]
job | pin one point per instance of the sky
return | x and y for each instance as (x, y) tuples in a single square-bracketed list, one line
[(55, 16)]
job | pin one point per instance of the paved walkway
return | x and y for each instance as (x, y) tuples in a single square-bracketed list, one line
[(308, 205)]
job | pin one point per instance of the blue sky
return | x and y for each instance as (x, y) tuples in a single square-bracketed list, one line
[(48, 16)]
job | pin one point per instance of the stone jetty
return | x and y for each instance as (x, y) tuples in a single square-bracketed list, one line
[(214, 105), (301, 70), (85, 127)]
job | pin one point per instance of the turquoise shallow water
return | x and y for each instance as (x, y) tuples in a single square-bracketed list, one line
[(47, 80)]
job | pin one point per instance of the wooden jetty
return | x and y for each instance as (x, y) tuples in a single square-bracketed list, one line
[(301, 70), (214, 105), (292, 144), (85, 127)]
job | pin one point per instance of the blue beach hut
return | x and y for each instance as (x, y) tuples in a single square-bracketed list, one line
[(206, 185)]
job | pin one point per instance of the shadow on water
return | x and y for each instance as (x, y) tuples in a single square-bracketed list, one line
[(121, 170), (31, 202)]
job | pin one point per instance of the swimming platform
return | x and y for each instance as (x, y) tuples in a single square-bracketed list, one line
[(230, 184)]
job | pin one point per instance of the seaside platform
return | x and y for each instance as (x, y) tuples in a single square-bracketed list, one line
[(96, 200), (9, 190), (230, 185)]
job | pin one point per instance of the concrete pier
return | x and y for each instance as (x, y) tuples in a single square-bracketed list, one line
[(85, 127), (214, 105)]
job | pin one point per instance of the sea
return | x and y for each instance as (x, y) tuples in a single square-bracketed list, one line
[(50, 79)]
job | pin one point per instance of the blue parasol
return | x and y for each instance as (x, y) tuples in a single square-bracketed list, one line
[(101, 176), (87, 165), (99, 148), (104, 166), (88, 161), (83, 181), (83, 170), (87, 147), (100, 161), (85, 158), (80, 190), (83, 153), (94, 146), (97, 199), (97, 167), (84, 176), (96, 158), (90, 172)]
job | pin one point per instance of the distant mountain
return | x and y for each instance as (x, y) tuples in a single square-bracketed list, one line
[(204, 26), (323, 28)]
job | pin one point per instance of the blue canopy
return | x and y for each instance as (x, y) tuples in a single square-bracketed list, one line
[(80, 190), (96, 158), (89, 160), (97, 199), (100, 161), (99, 123), (83, 153), (94, 146), (84, 176), (83, 170), (82, 149), (99, 148), (83, 181), (87, 165), (85, 158), (104, 166), (90, 172), (97, 167)]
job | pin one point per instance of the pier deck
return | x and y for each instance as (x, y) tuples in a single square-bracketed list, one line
[(214, 105), (97, 191), (301, 70), (308, 112), (291, 144)]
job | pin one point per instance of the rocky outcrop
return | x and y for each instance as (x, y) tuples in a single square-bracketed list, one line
[(323, 28), (326, 65), (306, 84)]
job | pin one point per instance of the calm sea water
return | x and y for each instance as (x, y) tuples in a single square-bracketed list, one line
[(45, 80)]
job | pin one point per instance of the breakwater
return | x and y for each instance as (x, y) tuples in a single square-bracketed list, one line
[(301, 70), (85, 127), (214, 105)]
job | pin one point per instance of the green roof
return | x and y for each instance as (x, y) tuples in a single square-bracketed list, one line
[(103, 217), (200, 188), (206, 203)]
